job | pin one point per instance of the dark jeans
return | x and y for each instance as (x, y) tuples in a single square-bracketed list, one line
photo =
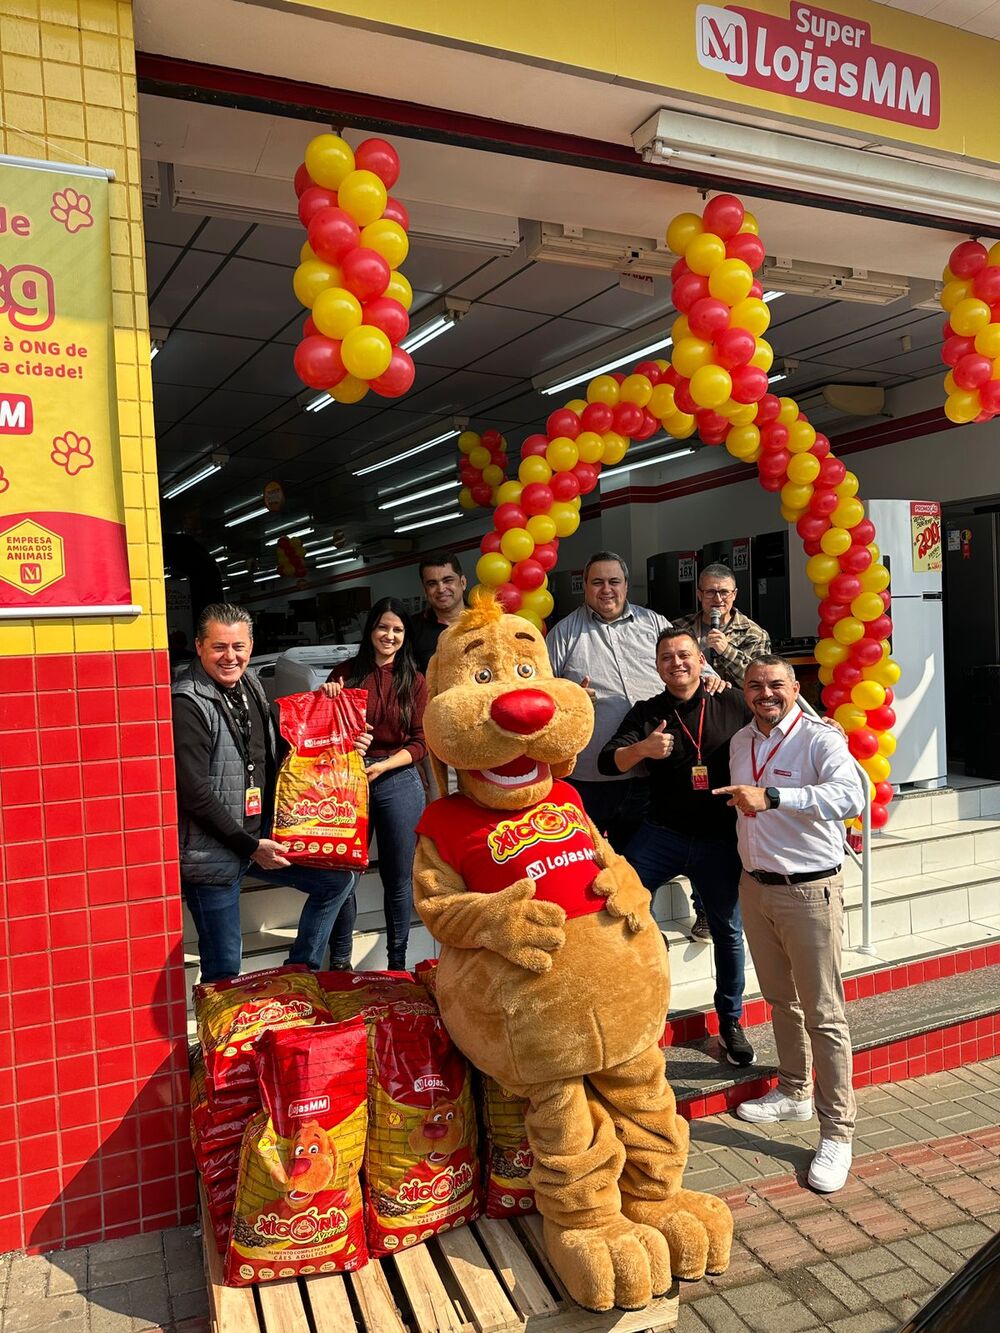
[(617, 808), (215, 909), (713, 867), (396, 802)]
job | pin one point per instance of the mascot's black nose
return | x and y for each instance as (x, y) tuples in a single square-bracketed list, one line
[(522, 711)]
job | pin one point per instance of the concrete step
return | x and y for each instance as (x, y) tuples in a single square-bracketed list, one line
[(963, 798)]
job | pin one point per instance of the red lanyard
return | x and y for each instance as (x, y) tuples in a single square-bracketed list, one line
[(701, 727), (758, 773)]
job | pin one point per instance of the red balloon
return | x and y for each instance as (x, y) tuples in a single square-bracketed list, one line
[(830, 612), (883, 792), (481, 492), (768, 409), (534, 445), (831, 472), (565, 486), (564, 421), (749, 384), (972, 371), (536, 498), (302, 180), (747, 247), (723, 215), (821, 447), (507, 516), (309, 329), (866, 652), (618, 376), (846, 675), (863, 533), (987, 284), (708, 317), (774, 463), (879, 815), (834, 695), (856, 560), (682, 398), (989, 396), (734, 347), (468, 475), (596, 417), (946, 330), (967, 259), (396, 212), (380, 158), (388, 315), (811, 527), (527, 574), (366, 273), (398, 376), (811, 548), (678, 270), (882, 718), (773, 435), (885, 595), (547, 554), (491, 439), (756, 290), (889, 696), (490, 543), (317, 362), (688, 289), (711, 422), (586, 475), (671, 377), (627, 418), (509, 597), (955, 347), (881, 628), (772, 484), (313, 200), (844, 588), (649, 426), (862, 743), (824, 501), (651, 370)]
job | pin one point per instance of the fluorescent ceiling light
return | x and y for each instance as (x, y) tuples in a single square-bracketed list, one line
[(335, 550), (236, 573), (155, 348), (426, 509), (282, 527), (776, 379), (415, 481), (221, 559), (636, 354), (216, 549), (429, 522), (329, 564), (768, 297), (419, 495), (650, 462), (408, 453), (245, 518), (453, 311), (215, 464), (242, 504), (296, 532), (266, 578), (317, 404)]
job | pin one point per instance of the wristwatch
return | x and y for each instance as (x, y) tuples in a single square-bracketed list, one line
[(773, 797)]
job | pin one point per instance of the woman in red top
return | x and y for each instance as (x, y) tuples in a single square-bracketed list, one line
[(397, 694)]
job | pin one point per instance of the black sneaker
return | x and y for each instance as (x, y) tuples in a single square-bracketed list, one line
[(733, 1041), (701, 930)]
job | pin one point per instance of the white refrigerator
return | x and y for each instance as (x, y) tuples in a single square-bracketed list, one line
[(908, 533)]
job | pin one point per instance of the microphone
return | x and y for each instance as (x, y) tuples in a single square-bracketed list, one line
[(715, 618)]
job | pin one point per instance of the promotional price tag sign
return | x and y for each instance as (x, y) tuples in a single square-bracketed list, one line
[(925, 533)]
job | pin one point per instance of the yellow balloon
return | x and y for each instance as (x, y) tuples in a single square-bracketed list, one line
[(542, 528), (366, 352), (886, 672), (750, 225), (867, 606), (533, 469), (467, 441), (745, 416), (848, 487), (850, 716), (793, 516), (751, 314), (820, 590), (562, 454), (679, 424), (691, 354), (876, 555), (987, 341), (329, 160), (705, 252), (576, 405), (615, 447), (825, 674), (877, 766), (336, 311), (492, 569), (993, 254), (955, 290), (710, 386), (388, 239), (661, 401), (822, 568), (682, 231), (576, 502), (969, 317), (763, 357), (961, 406), (510, 493), (801, 437), (306, 252), (730, 281), (465, 499), (399, 289), (493, 475), (530, 617), (868, 694), (635, 389), (603, 389), (949, 383), (312, 277), (828, 652), (566, 517), (590, 446), (742, 441), (362, 195), (480, 457), (874, 579), (539, 601), (835, 541), (680, 329), (349, 390), (848, 514), (517, 544), (789, 412), (886, 744), (803, 468), (794, 496)]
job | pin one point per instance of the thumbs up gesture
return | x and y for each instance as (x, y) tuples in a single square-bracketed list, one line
[(658, 744)]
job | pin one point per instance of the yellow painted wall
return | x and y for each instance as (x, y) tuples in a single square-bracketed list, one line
[(68, 94)]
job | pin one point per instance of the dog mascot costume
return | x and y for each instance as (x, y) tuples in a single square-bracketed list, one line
[(553, 977)]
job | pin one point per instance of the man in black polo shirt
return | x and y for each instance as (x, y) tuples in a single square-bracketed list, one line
[(444, 587), (683, 736)]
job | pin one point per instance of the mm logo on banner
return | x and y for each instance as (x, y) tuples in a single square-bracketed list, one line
[(819, 56), (16, 416)]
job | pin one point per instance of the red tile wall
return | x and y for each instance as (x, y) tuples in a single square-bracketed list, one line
[(93, 1064)]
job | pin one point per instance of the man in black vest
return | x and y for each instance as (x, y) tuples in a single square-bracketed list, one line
[(225, 744)]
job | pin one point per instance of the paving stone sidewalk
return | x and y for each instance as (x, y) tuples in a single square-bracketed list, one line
[(923, 1196)]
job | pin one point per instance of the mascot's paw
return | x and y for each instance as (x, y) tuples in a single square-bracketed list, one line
[(622, 1264), (625, 894), (697, 1227)]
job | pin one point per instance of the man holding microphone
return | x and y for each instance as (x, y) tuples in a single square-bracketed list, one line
[(727, 637)]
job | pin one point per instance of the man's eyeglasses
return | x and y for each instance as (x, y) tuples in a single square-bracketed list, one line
[(724, 593)]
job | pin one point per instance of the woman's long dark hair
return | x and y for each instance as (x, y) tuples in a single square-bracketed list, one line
[(404, 666)]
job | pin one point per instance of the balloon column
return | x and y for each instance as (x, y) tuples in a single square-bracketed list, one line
[(349, 274), (482, 467), (291, 558), (971, 296)]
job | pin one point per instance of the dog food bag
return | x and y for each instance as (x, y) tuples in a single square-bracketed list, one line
[(370, 995), (321, 800), (298, 1203), (231, 1015), (222, 1124), (426, 974), (221, 1195), (508, 1156), (421, 1173)]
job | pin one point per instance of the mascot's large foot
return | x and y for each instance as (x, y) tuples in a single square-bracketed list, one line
[(697, 1227), (620, 1264)]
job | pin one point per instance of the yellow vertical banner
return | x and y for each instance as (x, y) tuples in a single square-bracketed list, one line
[(62, 522)]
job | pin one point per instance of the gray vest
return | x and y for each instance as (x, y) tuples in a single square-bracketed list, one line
[(205, 860)]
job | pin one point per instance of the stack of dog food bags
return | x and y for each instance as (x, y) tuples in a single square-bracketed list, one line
[(508, 1158), (369, 995), (298, 1205)]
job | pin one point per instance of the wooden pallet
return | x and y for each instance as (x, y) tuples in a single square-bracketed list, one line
[(491, 1277)]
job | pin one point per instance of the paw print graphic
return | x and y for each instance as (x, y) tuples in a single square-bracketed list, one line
[(72, 209), (4, 483), (72, 452)]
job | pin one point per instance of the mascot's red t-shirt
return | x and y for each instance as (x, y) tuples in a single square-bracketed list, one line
[(548, 842)]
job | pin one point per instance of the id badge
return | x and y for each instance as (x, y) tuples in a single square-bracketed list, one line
[(252, 802), (699, 777)]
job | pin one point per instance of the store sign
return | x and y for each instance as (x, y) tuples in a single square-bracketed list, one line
[(819, 56), (925, 535), (741, 553), (687, 563), (62, 519)]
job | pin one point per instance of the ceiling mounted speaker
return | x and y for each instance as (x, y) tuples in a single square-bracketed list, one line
[(856, 400)]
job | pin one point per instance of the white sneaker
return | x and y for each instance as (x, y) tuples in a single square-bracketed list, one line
[(774, 1106), (831, 1165)]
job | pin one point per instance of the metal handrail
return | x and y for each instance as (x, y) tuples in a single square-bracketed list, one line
[(865, 859)]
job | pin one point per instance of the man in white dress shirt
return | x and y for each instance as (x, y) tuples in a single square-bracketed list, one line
[(794, 783)]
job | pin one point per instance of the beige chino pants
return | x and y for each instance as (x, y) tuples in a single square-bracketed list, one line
[(795, 933)]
